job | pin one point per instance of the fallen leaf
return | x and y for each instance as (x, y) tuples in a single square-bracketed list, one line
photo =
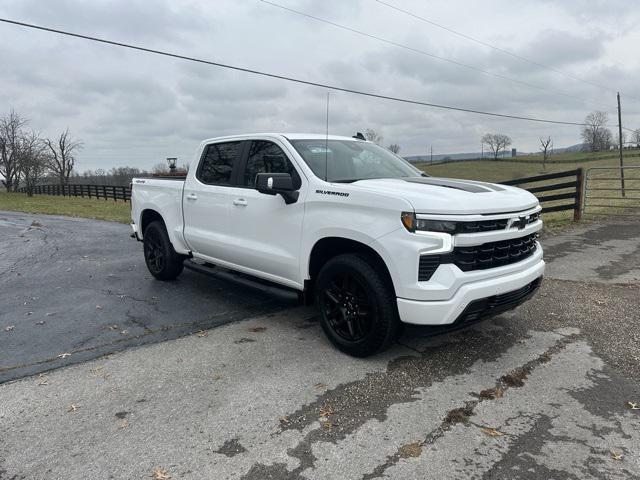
[(160, 474), (113, 327), (321, 386), (9, 328), (492, 432), (326, 410), (28, 313), (50, 314), (256, 329), (98, 307), (42, 379), (284, 420), (633, 406), (616, 456), (124, 423), (64, 355), (202, 334), (124, 332), (217, 376), (327, 425), (73, 408), (410, 450), (41, 322)]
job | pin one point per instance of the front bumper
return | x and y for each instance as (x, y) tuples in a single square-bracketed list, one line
[(446, 312)]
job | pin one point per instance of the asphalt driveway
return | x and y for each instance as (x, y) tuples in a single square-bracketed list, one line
[(75, 289), (550, 390)]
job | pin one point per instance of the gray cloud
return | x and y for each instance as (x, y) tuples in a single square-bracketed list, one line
[(132, 108)]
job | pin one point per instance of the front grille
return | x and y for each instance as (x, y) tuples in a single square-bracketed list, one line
[(490, 306), (491, 225), (492, 254), (482, 226), (479, 257)]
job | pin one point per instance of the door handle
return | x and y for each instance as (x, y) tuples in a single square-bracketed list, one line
[(192, 196), (240, 202)]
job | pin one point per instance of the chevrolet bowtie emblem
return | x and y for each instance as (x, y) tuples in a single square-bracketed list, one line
[(522, 222)]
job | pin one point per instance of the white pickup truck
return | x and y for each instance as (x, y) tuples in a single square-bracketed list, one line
[(371, 239)]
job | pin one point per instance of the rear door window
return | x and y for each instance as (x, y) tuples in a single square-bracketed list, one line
[(218, 161)]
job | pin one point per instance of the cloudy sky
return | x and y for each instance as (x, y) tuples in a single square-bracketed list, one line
[(132, 108)]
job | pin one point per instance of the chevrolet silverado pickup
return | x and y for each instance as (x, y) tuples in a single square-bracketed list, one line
[(369, 238)]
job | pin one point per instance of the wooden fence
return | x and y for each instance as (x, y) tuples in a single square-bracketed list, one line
[(568, 190), (551, 193), (108, 192)]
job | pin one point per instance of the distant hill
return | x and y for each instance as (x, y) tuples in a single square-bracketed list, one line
[(440, 158)]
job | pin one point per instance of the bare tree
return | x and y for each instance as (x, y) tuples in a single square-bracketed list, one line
[(160, 169), (373, 136), (635, 137), (497, 142), (32, 160), (11, 126), (395, 148), (546, 144), (595, 134), (624, 140), (61, 158)]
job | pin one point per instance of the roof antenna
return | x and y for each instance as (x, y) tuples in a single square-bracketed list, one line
[(326, 143)]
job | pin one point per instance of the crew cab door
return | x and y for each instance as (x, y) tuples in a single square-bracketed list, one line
[(206, 200), (266, 232)]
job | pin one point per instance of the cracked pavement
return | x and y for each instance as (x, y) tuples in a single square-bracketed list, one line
[(545, 391)]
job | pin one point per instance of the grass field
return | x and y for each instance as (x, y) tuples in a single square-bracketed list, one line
[(70, 206)]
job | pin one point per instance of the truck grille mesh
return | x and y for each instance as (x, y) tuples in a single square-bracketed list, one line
[(480, 257)]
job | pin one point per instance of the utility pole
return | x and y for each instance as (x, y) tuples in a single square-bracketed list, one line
[(482, 151), (431, 154), (620, 145)]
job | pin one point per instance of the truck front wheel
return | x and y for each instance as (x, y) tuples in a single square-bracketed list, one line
[(357, 305), (162, 260)]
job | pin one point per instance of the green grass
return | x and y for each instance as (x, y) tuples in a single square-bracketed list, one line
[(71, 206)]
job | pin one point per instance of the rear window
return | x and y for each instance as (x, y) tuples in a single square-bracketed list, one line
[(217, 163)]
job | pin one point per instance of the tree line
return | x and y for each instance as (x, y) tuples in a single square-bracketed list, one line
[(26, 157)]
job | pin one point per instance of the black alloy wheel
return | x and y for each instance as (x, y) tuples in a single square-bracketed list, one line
[(357, 303), (163, 262), (347, 307)]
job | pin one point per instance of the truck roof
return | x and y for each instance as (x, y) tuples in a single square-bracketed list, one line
[(289, 136)]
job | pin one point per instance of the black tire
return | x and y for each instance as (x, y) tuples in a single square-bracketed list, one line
[(357, 304), (162, 260)]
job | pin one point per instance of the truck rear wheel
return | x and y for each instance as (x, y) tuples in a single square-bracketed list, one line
[(358, 311), (162, 260)]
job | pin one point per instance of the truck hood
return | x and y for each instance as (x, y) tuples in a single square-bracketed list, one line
[(452, 196)]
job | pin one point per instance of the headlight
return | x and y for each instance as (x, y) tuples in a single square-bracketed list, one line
[(413, 224)]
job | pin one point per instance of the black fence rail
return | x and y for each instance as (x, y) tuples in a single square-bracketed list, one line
[(568, 190), (551, 193), (107, 192)]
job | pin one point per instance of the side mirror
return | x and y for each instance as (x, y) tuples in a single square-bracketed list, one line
[(277, 183)]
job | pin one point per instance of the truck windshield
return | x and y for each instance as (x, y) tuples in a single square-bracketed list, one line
[(350, 160)]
